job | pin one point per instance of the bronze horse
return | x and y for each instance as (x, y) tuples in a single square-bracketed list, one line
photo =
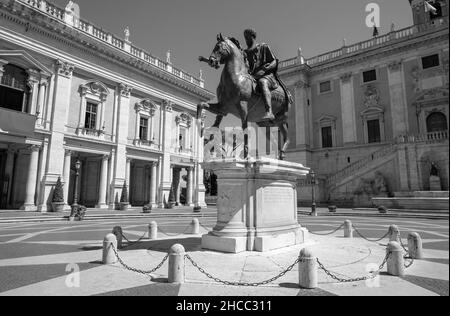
[(237, 93)]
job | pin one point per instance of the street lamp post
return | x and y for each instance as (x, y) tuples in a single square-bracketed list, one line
[(313, 193), (75, 194)]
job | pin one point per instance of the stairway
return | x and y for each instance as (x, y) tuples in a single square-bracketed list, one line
[(374, 159), (419, 200)]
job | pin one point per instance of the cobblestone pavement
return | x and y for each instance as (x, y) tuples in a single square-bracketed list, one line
[(40, 258)]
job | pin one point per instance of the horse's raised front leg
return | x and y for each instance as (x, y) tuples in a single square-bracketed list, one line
[(215, 108), (218, 121), (286, 141)]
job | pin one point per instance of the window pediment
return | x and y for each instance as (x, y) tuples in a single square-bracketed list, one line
[(432, 95), (184, 118), (95, 88), (372, 111), (24, 60), (146, 106), (326, 119)]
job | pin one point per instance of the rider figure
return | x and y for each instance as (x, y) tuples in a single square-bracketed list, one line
[(262, 65)]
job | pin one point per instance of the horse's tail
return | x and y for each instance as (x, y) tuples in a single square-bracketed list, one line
[(288, 100)]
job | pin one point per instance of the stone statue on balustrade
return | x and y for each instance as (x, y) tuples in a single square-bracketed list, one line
[(435, 180)]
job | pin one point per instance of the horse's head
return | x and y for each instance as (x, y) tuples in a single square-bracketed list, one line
[(223, 50)]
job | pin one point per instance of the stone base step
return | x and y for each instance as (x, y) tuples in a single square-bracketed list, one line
[(422, 194), (416, 203)]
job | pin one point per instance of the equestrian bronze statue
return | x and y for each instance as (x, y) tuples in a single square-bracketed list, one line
[(249, 87)]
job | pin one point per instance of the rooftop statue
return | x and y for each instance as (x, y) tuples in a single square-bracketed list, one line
[(249, 86)]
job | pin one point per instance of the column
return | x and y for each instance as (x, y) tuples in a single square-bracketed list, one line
[(153, 185), (190, 186), (56, 151), (403, 168), (348, 109), (128, 171), (33, 82), (399, 110), (66, 176), (82, 113), (41, 100), (302, 123), (301, 104), (9, 168), (30, 189), (199, 195), (120, 165), (412, 164), (177, 186), (103, 183), (166, 180), (2, 69)]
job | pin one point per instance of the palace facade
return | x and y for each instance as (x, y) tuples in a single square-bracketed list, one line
[(76, 99), (372, 117)]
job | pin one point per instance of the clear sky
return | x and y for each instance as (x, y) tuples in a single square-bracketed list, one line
[(189, 27)]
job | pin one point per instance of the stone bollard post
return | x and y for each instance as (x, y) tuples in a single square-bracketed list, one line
[(348, 229), (195, 227), (394, 233), (153, 231), (415, 246), (109, 257), (176, 264), (396, 262), (307, 270), (117, 231)]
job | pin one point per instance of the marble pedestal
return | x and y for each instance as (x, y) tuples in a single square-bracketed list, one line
[(257, 205)]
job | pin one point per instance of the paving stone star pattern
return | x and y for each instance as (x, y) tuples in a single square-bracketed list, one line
[(39, 259)]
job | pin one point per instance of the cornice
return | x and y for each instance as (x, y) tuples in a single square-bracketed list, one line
[(421, 39), (72, 38)]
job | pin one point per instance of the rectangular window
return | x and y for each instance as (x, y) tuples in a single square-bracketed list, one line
[(327, 137), (325, 86), (143, 128), (430, 61), (373, 131), (369, 76), (183, 138), (91, 116)]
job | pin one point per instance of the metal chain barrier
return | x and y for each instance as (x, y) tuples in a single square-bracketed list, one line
[(372, 275), (242, 283), (371, 240), (138, 270), (130, 243), (174, 234), (206, 228), (326, 234), (407, 256)]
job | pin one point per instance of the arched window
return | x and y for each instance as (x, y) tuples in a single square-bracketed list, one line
[(436, 122), (14, 89)]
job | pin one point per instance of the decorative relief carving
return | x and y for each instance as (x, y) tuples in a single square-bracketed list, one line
[(146, 106), (301, 85), (395, 65), (346, 77), (95, 88), (167, 105), (64, 68), (184, 118), (371, 97), (125, 90)]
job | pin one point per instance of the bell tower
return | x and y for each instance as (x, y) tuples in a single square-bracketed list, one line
[(423, 13)]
